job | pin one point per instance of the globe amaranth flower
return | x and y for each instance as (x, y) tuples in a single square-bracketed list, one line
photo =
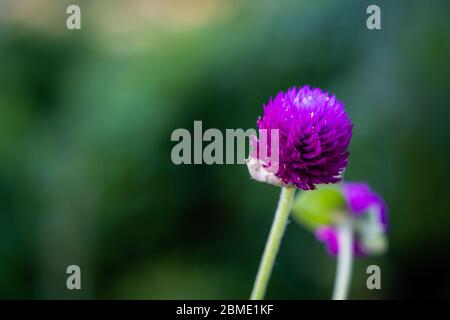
[(368, 213), (314, 134)]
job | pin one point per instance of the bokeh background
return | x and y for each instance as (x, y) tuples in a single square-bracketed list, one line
[(86, 117)]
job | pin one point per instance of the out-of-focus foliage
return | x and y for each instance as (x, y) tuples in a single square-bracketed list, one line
[(86, 117), (320, 207)]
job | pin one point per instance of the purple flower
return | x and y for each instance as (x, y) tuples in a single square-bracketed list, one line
[(314, 134), (361, 198), (369, 215), (329, 236)]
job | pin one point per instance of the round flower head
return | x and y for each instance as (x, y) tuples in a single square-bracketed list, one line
[(369, 215), (361, 199), (314, 134)]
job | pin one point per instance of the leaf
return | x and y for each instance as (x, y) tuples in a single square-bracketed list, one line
[(318, 207)]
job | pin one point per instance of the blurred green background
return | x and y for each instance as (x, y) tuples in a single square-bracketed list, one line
[(86, 117)]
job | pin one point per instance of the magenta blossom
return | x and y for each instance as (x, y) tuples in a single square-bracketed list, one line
[(314, 134), (369, 214)]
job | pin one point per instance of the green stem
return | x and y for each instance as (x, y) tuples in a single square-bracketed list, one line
[(273, 243), (344, 260)]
